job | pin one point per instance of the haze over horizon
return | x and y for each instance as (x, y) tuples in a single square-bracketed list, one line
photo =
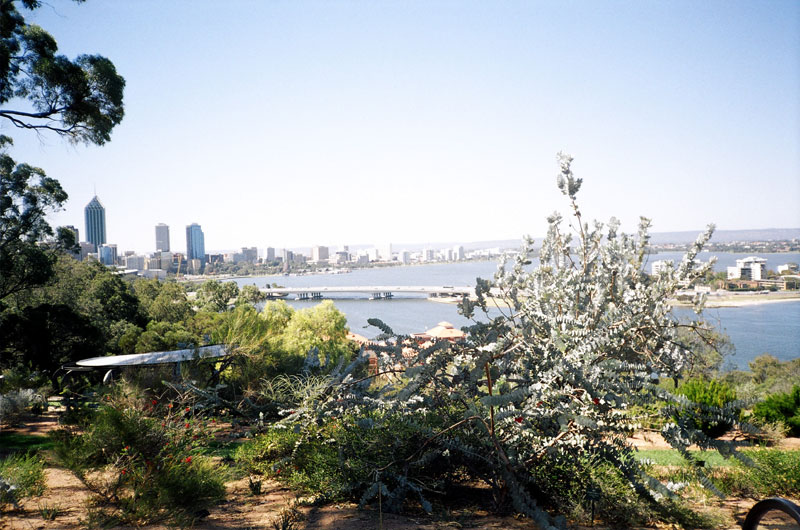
[(301, 123)]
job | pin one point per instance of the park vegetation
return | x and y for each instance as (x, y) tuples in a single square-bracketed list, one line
[(535, 405)]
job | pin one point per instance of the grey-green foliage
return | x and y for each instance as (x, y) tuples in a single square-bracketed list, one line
[(16, 403), (586, 335)]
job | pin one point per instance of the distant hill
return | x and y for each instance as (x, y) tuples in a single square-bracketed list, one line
[(726, 236), (658, 238)]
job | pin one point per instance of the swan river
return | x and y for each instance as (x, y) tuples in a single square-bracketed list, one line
[(772, 328)]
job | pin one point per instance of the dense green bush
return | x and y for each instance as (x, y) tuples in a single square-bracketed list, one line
[(339, 459), (153, 468), (705, 397), (775, 472), (20, 476), (781, 407)]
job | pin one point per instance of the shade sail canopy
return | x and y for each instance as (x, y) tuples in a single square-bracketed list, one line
[(445, 330), (156, 357)]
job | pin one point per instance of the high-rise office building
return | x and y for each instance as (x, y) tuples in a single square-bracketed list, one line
[(319, 254), (195, 243), (162, 238), (95, 215)]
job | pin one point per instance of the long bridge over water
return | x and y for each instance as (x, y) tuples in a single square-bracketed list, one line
[(376, 292)]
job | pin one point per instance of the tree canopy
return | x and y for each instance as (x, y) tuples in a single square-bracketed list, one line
[(40, 90), (26, 196)]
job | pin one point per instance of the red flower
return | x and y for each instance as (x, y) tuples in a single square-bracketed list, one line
[(596, 401), (169, 406), (540, 404), (187, 425), (518, 419), (278, 472), (188, 459), (187, 409), (127, 447), (122, 472), (154, 402)]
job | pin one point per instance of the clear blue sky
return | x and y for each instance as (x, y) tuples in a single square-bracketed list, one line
[(295, 123)]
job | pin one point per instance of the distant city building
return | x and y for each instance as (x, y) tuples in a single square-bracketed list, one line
[(458, 253), (108, 254), (162, 237), (250, 255), (195, 243), (385, 252), (269, 254), (86, 249), (789, 267), (95, 216), (657, 266), (405, 257), (751, 268), (135, 262), (341, 257), (319, 254), (195, 266), (428, 254)]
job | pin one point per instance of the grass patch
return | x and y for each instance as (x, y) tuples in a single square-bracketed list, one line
[(14, 442), (671, 457)]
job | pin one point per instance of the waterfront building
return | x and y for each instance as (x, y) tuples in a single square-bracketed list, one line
[(458, 253), (385, 252), (269, 254), (319, 254), (250, 254), (750, 268), (95, 217), (657, 266), (162, 237), (195, 243), (405, 257)]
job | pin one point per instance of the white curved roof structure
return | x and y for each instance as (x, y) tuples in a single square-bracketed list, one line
[(156, 357)]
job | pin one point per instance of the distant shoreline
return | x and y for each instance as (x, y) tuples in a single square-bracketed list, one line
[(736, 300), (744, 300)]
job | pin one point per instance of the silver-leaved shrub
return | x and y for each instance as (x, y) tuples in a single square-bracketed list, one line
[(584, 335)]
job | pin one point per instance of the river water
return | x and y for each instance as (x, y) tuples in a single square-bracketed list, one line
[(772, 328)]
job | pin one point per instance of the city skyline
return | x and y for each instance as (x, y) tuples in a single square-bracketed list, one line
[(435, 122)]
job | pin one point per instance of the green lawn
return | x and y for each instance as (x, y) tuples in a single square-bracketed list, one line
[(14, 442), (671, 457)]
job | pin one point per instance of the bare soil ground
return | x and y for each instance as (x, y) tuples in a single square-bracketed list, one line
[(67, 496)]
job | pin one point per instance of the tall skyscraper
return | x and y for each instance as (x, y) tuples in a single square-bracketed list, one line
[(162, 238), (95, 215), (195, 242)]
